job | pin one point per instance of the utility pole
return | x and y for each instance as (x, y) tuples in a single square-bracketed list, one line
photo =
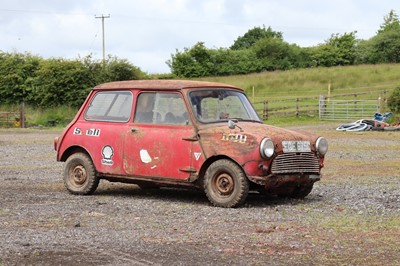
[(102, 28)]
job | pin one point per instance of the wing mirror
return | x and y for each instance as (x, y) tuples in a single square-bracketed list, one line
[(232, 124)]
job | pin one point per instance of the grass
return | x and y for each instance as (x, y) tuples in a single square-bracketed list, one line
[(43, 117), (315, 81), (355, 239)]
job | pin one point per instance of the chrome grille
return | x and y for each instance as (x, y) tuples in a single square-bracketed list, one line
[(295, 163)]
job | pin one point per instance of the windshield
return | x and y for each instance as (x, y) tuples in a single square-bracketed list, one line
[(215, 105)]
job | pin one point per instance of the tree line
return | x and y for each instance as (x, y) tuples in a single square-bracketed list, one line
[(262, 49), (56, 81)]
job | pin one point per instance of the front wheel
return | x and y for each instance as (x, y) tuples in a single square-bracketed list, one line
[(79, 175), (225, 184)]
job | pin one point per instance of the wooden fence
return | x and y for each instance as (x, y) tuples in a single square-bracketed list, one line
[(13, 118), (288, 107), (9, 118)]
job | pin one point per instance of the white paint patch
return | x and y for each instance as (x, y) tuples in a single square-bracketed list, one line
[(144, 156)]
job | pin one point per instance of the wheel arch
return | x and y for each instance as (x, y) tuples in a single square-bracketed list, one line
[(212, 159), (74, 149)]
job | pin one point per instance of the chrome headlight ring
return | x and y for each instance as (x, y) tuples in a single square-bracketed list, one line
[(321, 145), (267, 148)]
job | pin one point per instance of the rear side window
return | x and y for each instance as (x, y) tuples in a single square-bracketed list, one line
[(113, 106)]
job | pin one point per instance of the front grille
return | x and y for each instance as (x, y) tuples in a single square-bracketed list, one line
[(295, 163)]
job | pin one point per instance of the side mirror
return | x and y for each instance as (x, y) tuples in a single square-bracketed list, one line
[(232, 124)]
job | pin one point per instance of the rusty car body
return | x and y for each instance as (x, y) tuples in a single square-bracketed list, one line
[(202, 135)]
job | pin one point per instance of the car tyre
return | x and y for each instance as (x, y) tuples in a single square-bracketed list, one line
[(80, 175), (225, 184)]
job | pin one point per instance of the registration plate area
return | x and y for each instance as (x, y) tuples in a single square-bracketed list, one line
[(296, 146)]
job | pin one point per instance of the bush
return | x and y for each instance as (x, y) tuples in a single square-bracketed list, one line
[(394, 100)]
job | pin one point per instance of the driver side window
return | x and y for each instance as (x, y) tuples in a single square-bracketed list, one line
[(161, 108)]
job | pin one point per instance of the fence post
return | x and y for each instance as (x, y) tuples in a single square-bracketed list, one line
[(329, 90), (380, 108), (265, 110), (297, 107), (355, 102), (322, 106), (384, 104), (22, 115)]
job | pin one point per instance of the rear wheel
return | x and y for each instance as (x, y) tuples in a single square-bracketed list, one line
[(225, 184), (80, 175)]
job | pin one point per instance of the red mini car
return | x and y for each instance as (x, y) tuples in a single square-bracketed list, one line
[(194, 134)]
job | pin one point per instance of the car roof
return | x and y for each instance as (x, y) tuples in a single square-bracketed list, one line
[(161, 85)]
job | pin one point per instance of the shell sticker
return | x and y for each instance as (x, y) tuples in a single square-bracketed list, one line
[(107, 152)]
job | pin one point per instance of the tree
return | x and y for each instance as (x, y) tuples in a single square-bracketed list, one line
[(252, 36), (232, 62), (276, 54), (16, 72), (120, 69), (193, 62), (338, 50), (394, 100), (61, 82), (390, 23), (384, 47)]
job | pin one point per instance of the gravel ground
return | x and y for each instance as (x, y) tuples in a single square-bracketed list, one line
[(351, 216)]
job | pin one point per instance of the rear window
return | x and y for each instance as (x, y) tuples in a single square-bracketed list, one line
[(115, 106)]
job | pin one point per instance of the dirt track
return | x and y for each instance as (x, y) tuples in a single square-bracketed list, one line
[(351, 217)]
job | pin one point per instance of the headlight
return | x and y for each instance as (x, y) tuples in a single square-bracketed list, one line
[(267, 148), (322, 146)]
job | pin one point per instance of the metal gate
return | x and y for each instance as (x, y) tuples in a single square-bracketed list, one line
[(347, 109)]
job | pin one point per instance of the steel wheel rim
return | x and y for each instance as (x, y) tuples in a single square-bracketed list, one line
[(223, 184), (78, 175)]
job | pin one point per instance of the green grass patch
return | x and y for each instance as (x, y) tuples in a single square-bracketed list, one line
[(60, 116), (315, 81)]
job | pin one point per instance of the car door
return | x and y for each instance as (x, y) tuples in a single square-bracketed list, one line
[(99, 130), (159, 142)]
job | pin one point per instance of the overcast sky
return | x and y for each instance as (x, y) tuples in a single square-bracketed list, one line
[(147, 32)]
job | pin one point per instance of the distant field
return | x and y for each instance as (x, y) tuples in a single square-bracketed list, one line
[(315, 81), (364, 82)]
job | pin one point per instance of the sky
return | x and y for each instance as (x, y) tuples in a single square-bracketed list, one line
[(148, 32)]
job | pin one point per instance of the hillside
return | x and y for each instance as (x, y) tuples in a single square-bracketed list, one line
[(315, 81)]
